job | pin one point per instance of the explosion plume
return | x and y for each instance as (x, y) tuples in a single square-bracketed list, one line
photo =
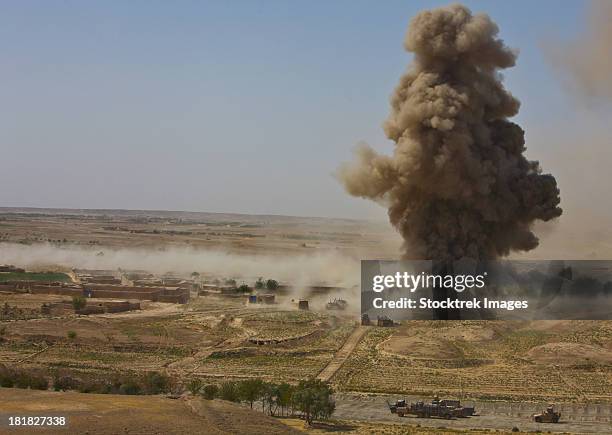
[(457, 184)]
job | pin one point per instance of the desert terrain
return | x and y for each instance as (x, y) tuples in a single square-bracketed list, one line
[(509, 370)]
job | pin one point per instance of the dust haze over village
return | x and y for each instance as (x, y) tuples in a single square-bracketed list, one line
[(146, 321)]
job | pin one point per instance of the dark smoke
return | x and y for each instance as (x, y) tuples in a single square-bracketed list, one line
[(458, 184)]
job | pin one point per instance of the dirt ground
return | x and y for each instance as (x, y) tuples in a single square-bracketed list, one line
[(112, 414), (243, 234)]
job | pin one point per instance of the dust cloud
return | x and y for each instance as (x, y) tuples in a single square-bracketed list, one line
[(586, 62), (458, 183), (326, 268)]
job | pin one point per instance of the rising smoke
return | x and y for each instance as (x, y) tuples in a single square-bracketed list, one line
[(457, 184)]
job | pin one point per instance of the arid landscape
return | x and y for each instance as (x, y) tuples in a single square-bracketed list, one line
[(509, 370)]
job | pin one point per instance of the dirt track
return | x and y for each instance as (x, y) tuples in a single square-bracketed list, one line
[(575, 418), (345, 351)]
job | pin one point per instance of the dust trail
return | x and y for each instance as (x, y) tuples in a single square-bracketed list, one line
[(326, 268), (458, 183)]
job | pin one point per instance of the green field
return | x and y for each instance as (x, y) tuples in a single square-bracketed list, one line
[(34, 276)]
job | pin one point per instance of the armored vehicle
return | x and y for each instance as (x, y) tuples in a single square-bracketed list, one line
[(398, 404), (337, 304), (547, 416)]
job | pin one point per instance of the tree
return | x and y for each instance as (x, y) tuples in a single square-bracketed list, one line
[(271, 284), (283, 396), (313, 398), (259, 284), (244, 288), (251, 390), (78, 302)]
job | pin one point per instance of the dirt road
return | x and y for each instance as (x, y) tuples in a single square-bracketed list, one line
[(575, 418), (347, 348)]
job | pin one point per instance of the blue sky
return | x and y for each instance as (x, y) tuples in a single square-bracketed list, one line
[(241, 106)]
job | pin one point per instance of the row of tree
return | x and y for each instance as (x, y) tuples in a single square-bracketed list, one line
[(312, 398)]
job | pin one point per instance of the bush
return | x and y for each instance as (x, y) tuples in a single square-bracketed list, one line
[(155, 383), (229, 391), (24, 379), (63, 383), (78, 302), (210, 391), (129, 387), (194, 386), (6, 377), (71, 335)]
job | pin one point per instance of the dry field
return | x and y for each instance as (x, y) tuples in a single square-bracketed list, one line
[(211, 337), (217, 338), (569, 361), (113, 414), (234, 233)]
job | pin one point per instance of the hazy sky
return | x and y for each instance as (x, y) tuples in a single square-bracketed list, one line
[(241, 106)]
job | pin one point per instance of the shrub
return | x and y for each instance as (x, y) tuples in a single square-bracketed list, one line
[(23, 379), (129, 387), (63, 383), (229, 391), (78, 302), (210, 391), (71, 335), (155, 383), (6, 382), (6, 377), (194, 386)]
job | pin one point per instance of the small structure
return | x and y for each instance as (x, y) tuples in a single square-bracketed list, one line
[(303, 304), (252, 299), (11, 268), (267, 299), (365, 320)]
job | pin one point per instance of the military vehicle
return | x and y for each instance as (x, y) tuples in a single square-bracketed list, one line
[(437, 408), (400, 403), (547, 416), (337, 304), (465, 411)]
